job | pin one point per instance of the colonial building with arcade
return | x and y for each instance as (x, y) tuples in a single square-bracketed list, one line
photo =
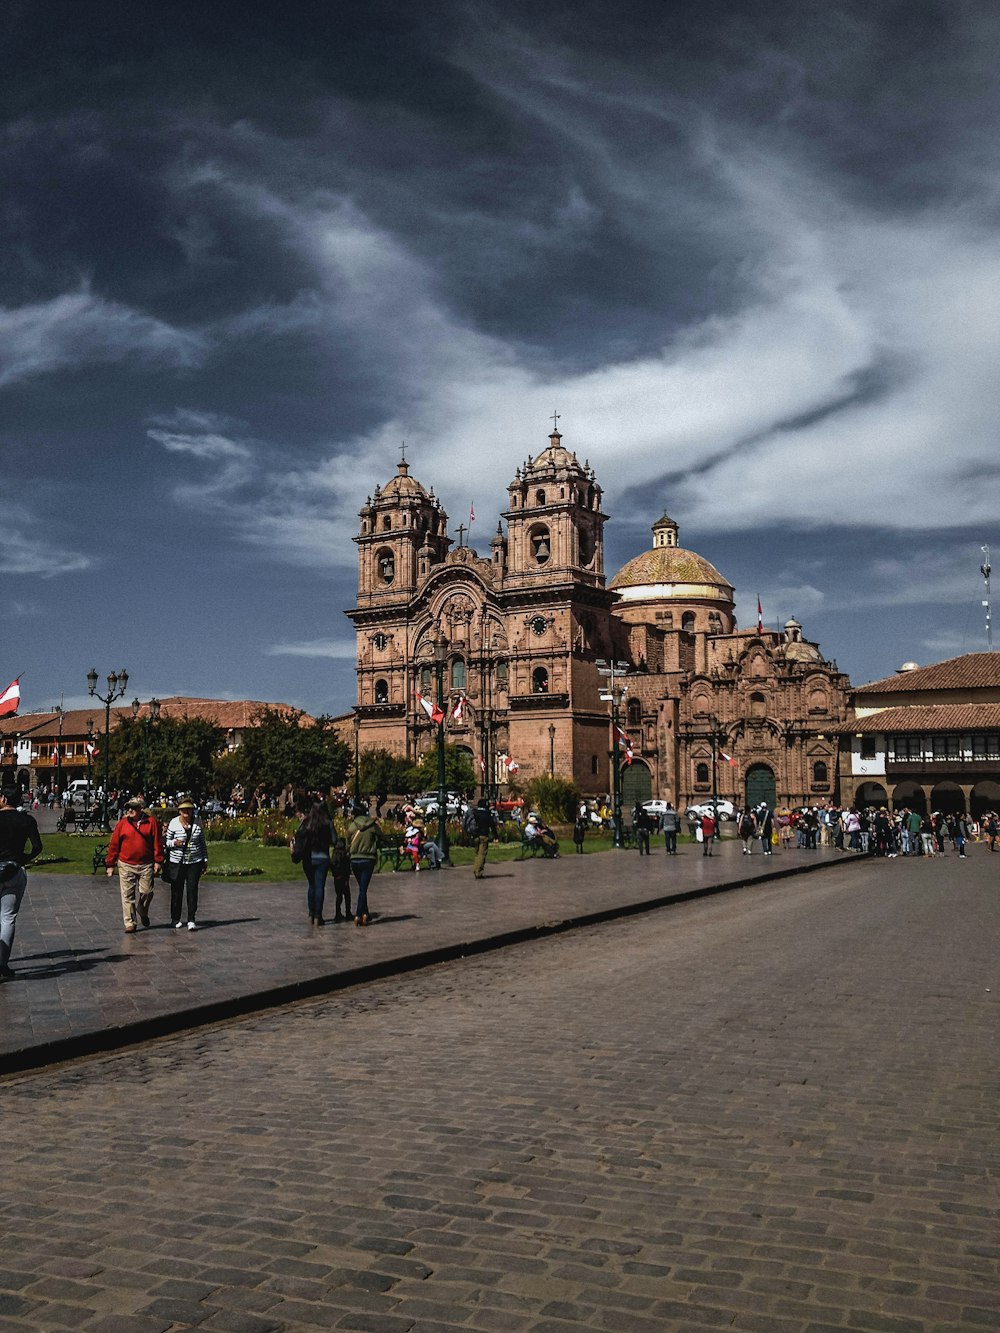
[(519, 638)]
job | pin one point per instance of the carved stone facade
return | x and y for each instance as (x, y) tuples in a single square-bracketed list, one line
[(526, 627)]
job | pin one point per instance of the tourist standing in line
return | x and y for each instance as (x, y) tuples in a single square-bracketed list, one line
[(188, 853), (18, 831), (364, 833), (136, 848), (311, 846)]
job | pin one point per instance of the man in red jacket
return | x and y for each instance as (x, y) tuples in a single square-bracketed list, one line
[(136, 847)]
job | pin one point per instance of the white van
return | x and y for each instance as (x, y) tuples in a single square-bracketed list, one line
[(79, 791)]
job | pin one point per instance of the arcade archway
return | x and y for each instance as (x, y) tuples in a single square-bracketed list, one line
[(984, 796)]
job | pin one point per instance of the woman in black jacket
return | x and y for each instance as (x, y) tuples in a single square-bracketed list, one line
[(311, 845)]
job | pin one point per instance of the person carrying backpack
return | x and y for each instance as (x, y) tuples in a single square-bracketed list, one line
[(479, 823)]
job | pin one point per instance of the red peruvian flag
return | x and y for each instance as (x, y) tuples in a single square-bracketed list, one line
[(728, 758), (458, 709), (431, 709), (760, 616), (482, 764), (511, 765), (55, 754), (626, 745), (92, 749), (10, 700)]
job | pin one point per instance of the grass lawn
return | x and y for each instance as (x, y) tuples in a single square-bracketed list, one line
[(73, 853)]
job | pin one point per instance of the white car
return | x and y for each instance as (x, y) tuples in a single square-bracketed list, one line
[(453, 803), (726, 810), (656, 807)]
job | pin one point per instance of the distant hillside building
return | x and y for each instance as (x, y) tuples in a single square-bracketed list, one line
[(927, 737), (521, 631)]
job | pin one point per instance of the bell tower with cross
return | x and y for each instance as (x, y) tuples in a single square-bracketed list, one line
[(555, 525)]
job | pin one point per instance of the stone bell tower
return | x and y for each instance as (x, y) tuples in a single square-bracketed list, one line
[(555, 527), (402, 533)]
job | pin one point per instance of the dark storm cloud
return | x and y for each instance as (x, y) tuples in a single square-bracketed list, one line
[(748, 251)]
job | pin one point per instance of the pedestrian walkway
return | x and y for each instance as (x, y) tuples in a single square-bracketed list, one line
[(83, 986)]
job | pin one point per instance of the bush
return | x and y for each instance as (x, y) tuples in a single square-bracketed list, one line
[(555, 799)]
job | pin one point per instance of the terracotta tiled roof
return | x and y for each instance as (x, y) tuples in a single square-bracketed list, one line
[(928, 717), (969, 671), (226, 714)]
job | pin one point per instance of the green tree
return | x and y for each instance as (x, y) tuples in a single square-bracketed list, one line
[(168, 754), (555, 799), (381, 771), (459, 774), (281, 750)]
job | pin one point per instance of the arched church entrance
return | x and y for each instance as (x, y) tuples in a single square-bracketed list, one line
[(637, 785), (760, 787)]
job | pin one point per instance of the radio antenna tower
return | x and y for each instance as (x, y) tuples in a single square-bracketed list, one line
[(984, 569)]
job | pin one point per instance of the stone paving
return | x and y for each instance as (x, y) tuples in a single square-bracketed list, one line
[(770, 1110), (84, 985)]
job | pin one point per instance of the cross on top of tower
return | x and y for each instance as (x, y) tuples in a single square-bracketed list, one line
[(555, 423)]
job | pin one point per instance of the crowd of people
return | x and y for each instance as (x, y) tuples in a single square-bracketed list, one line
[(140, 851)]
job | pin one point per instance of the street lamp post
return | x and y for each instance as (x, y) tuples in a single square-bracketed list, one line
[(151, 716), (357, 757), (440, 658), (90, 760), (614, 694), (717, 837), (552, 749), (117, 685)]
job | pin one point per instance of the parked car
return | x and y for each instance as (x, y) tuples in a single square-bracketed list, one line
[(656, 808), (79, 790), (428, 803), (726, 810)]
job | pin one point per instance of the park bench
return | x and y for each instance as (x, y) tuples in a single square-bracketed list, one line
[(390, 851), (98, 860), (530, 847), (83, 821)]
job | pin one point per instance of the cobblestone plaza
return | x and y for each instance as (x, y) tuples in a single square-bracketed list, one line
[(767, 1109)]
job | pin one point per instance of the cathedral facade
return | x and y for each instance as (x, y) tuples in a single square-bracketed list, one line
[(520, 642)]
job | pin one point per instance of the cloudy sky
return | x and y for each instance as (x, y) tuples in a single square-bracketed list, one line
[(748, 250)]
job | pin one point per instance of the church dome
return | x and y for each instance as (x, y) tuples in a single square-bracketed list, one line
[(402, 485), (802, 652), (670, 572)]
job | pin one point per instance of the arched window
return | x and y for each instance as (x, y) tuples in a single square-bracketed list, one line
[(820, 773), (387, 523), (687, 622), (540, 681), (458, 674), (634, 713), (386, 566), (502, 673), (425, 679), (539, 497), (758, 705), (381, 691), (701, 773)]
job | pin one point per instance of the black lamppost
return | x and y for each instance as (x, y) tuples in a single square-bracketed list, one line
[(152, 716), (357, 756), (552, 749), (614, 694), (717, 836), (58, 756), (89, 747), (117, 685), (440, 658)]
